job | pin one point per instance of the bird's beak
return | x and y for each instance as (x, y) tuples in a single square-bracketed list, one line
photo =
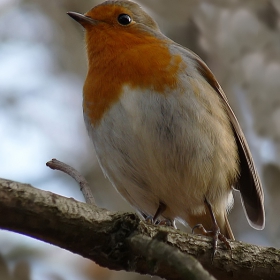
[(82, 19)]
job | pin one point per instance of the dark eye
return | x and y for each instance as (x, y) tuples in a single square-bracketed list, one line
[(124, 19)]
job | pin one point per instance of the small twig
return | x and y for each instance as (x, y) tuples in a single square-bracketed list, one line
[(80, 179)]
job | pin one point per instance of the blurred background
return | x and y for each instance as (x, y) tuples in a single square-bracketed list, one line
[(42, 69)]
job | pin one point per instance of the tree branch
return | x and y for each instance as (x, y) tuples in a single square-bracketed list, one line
[(169, 260), (112, 239)]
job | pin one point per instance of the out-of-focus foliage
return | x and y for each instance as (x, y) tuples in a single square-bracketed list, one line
[(42, 68)]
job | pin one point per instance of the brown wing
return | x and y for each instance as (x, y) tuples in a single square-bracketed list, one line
[(249, 183)]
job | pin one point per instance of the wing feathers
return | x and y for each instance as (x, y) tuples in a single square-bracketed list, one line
[(249, 183)]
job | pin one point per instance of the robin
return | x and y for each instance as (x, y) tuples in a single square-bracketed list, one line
[(163, 130)]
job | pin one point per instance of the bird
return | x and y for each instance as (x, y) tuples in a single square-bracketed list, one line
[(161, 125)]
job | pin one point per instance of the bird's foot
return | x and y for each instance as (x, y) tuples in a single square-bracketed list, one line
[(167, 223), (149, 220), (155, 221), (215, 233)]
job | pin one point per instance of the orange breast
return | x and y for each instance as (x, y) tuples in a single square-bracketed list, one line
[(121, 56)]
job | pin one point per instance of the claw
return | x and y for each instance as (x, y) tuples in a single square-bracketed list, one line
[(168, 223), (200, 227), (149, 219)]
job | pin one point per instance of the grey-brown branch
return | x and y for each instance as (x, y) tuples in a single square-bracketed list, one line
[(123, 242)]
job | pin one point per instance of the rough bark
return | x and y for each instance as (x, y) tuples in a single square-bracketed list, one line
[(120, 241)]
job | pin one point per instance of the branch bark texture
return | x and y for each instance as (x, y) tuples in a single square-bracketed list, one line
[(123, 242)]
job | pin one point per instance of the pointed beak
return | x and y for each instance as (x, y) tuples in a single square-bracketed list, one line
[(82, 19)]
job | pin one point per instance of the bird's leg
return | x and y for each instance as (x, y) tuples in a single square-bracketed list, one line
[(154, 219), (160, 210), (215, 232)]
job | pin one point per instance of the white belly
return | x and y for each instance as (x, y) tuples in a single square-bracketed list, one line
[(163, 148)]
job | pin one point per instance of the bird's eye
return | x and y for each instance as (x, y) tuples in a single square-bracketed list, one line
[(124, 19)]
